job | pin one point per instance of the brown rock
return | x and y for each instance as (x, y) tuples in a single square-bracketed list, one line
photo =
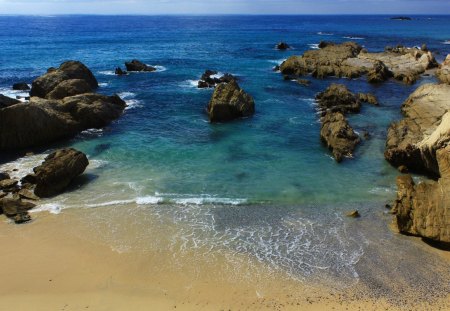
[(443, 73), (11, 207), (58, 170), (337, 134), (368, 98), (27, 194), (403, 169), (353, 214), (338, 98), (7, 184), (136, 65), (70, 87), (379, 73)]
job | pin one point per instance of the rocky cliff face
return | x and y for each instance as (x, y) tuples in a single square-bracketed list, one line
[(443, 73)]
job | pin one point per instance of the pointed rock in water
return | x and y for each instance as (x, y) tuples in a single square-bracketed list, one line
[(69, 70), (338, 135), (58, 170), (283, 46), (206, 81), (368, 98), (136, 65), (6, 101), (338, 98), (443, 73), (230, 102), (120, 72), (21, 86)]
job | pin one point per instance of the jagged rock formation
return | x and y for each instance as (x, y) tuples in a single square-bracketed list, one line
[(209, 79), (229, 102), (443, 73), (351, 61)]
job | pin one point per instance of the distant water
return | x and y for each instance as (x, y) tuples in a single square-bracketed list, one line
[(163, 150)]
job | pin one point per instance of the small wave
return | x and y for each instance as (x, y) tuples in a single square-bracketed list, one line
[(314, 46), (381, 190), (147, 200), (95, 164), (321, 33), (104, 84), (277, 61), (14, 93), (126, 95), (446, 42), (92, 133), (23, 166), (107, 73), (209, 200), (52, 208), (159, 68), (353, 38), (133, 103), (110, 203)]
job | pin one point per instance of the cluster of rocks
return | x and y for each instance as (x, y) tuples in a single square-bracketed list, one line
[(50, 178), (350, 60), (420, 143), (62, 104), (209, 79), (335, 131), (134, 66)]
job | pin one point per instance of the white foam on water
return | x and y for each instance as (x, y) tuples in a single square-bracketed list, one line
[(95, 164), (92, 132), (159, 68), (320, 33), (23, 166), (107, 72), (103, 84), (109, 203), (133, 103), (126, 95), (14, 93), (209, 200), (353, 38), (446, 42), (148, 200), (52, 208), (314, 46)]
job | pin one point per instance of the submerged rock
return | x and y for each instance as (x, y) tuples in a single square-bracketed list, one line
[(229, 102), (58, 170), (136, 65), (338, 135), (443, 73), (69, 70), (21, 86)]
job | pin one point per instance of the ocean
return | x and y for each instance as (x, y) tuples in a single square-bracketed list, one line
[(264, 186)]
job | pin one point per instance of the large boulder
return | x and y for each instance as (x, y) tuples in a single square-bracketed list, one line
[(338, 135), (45, 84), (350, 60), (337, 97), (424, 209), (70, 87), (443, 73), (58, 170), (20, 86), (229, 102), (136, 65), (43, 121), (425, 128), (6, 101)]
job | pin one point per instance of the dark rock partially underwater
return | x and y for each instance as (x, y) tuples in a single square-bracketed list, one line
[(136, 65)]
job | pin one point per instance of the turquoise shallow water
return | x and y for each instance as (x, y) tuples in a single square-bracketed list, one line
[(163, 150)]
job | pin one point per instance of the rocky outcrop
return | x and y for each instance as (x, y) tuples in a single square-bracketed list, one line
[(120, 72), (424, 209), (6, 101), (229, 102), (443, 73), (42, 121), (209, 79), (337, 134), (58, 170), (283, 46), (368, 98), (351, 61), (45, 84), (70, 87), (425, 128), (136, 65), (20, 86)]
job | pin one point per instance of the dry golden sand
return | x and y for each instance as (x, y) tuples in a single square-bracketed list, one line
[(58, 263)]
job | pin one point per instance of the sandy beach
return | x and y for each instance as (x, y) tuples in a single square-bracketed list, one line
[(58, 262)]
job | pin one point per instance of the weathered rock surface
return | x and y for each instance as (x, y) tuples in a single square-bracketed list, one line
[(70, 87), (16, 209), (7, 184), (229, 102), (20, 86), (424, 209), (351, 61), (6, 101), (136, 65), (337, 134), (58, 170), (42, 121), (443, 73), (45, 84), (414, 140)]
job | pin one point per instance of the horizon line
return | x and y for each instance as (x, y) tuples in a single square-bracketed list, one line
[(229, 14)]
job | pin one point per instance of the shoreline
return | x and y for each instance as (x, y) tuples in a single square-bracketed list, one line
[(61, 262)]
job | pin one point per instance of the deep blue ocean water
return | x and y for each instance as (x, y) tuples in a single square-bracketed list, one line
[(164, 150)]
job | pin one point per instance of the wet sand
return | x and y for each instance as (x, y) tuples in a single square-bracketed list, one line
[(61, 262)]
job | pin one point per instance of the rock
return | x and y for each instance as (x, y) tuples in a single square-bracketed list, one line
[(11, 207), (378, 73), (207, 81), (403, 169), (425, 128), (303, 82), (424, 47), (324, 44), (136, 65), (401, 18), (70, 87), (21, 86), (4, 176), (58, 170), (276, 68), (424, 209), (45, 84), (349, 60), (21, 218), (443, 73), (27, 194), (337, 134), (7, 184), (120, 72), (283, 46), (29, 179), (353, 214), (43, 121), (6, 101), (338, 98), (229, 102), (368, 98), (2, 195)]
